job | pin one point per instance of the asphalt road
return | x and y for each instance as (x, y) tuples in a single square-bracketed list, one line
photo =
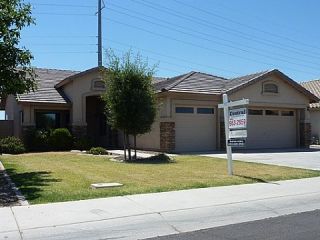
[(301, 226)]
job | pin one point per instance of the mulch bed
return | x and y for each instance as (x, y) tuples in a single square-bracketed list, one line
[(8, 197)]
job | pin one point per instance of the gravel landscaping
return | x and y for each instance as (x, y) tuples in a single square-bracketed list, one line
[(7, 194)]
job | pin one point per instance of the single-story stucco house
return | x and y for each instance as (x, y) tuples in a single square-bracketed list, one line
[(314, 87), (188, 118)]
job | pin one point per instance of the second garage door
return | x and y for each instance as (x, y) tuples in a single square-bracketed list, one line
[(195, 128), (269, 128)]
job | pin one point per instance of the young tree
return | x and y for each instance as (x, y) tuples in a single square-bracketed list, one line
[(130, 96), (16, 75)]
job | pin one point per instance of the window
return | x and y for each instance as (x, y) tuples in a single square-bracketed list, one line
[(47, 120), (98, 84), (272, 112), (184, 110), (287, 113), (270, 88), (51, 119), (205, 110), (255, 112)]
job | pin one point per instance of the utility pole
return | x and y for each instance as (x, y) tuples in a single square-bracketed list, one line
[(99, 33)]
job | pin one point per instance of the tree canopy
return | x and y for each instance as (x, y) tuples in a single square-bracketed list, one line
[(16, 74), (130, 96)]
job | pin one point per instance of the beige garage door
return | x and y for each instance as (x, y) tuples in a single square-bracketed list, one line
[(269, 128), (195, 128)]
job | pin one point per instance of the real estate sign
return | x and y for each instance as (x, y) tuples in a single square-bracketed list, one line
[(238, 118), (238, 134), (234, 120), (237, 142)]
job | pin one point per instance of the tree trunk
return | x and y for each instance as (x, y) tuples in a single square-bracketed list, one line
[(129, 147), (124, 146), (135, 146)]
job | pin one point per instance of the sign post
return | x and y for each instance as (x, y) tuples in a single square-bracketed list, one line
[(238, 120)]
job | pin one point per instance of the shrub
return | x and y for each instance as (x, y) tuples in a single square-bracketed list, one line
[(12, 145), (98, 151), (41, 140), (28, 138), (157, 159), (60, 139), (82, 143)]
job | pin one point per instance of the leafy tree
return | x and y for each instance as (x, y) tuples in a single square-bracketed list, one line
[(16, 75), (130, 96)]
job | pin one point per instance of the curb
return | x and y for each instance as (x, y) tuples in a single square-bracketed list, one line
[(21, 199)]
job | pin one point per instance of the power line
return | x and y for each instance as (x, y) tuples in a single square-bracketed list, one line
[(242, 24), (59, 36), (64, 14), (64, 44), (261, 19), (63, 52), (160, 61), (202, 47), (169, 26), (162, 68), (174, 57), (63, 5), (221, 28)]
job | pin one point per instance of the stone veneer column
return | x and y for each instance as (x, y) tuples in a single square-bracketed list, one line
[(305, 134), (167, 136), (79, 131)]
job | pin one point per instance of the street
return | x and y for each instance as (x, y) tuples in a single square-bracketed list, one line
[(290, 227)]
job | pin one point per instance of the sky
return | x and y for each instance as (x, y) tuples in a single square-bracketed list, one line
[(225, 38)]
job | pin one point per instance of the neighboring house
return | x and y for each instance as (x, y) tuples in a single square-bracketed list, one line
[(188, 117), (314, 87)]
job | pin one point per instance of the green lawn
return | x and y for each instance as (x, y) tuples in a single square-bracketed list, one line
[(55, 177)]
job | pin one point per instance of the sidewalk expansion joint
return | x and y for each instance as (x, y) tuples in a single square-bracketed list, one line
[(16, 221)]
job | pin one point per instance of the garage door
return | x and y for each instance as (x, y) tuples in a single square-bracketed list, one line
[(195, 128), (269, 128)]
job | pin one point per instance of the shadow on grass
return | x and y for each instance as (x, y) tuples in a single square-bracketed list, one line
[(31, 183), (158, 159), (253, 179)]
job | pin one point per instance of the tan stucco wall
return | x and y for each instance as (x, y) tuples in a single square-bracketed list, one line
[(287, 97), (77, 91), (315, 123), (166, 113), (12, 112), (148, 141)]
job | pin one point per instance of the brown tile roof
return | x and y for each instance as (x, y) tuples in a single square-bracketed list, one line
[(196, 82), (46, 92), (314, 87), (49, 81)]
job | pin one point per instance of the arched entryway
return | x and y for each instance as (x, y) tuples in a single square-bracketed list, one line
[(98, 130)]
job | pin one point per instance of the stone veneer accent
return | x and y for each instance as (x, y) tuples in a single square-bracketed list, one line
[(79, 131), (305, 134), (167, 136)]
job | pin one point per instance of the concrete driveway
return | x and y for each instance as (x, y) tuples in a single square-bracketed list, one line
[(297, 158)]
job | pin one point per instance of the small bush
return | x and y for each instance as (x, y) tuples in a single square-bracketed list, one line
[(157, 159), (11, 145), (82, 143), (98, 151), (61, 139), (41, 140)]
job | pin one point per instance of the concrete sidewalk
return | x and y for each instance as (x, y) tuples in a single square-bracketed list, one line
[(296, 158), (149, 215)]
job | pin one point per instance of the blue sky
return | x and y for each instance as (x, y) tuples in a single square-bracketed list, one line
[(225, 38)]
